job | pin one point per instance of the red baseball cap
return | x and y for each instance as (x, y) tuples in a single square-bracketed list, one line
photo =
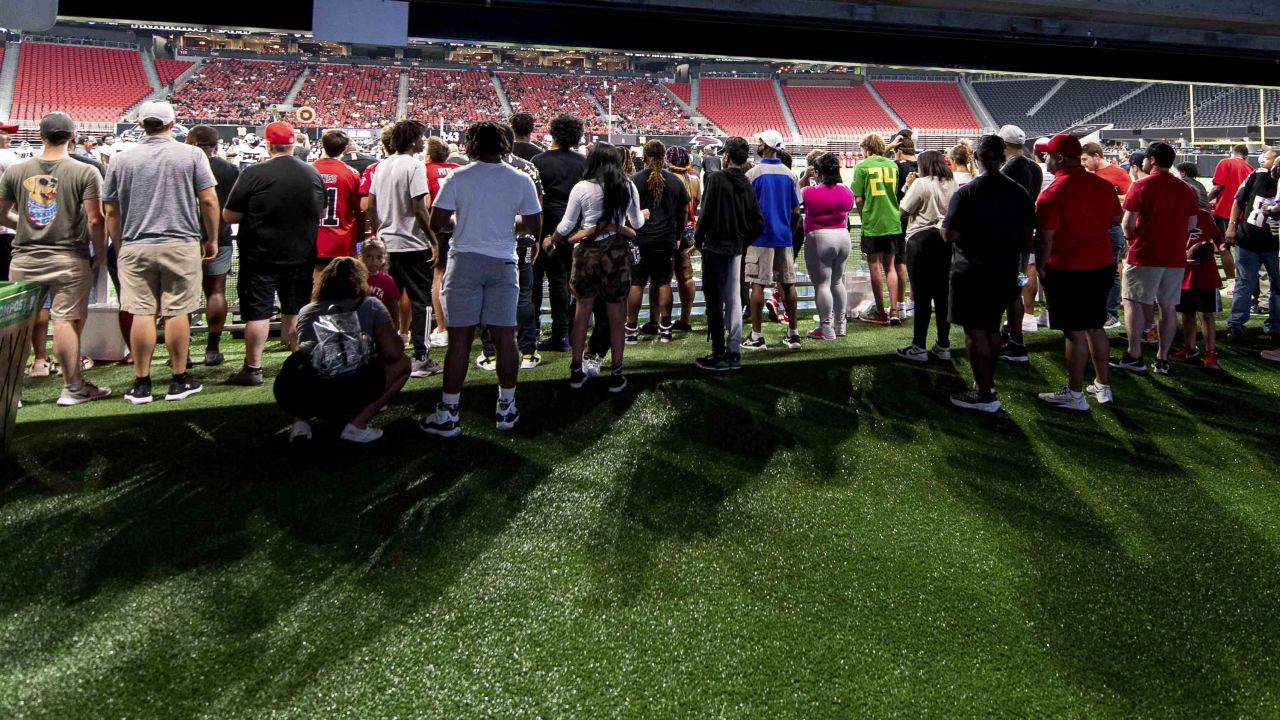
[(11, 129), (1066, 145), (1041, 145), (279, 133)]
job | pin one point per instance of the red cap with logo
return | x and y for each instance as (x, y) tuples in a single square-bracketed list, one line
[(279, 133), (1066, 145), (11, 129)]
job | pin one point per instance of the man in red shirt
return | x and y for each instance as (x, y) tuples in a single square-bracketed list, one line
[(1075, 215), (439, 168), (1227, 177), (343, 223), (1095, 162), (1160, 211)]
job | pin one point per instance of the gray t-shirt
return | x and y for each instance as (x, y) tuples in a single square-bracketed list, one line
[(398, 180), (369, 311), (487, 197), (156, 184)]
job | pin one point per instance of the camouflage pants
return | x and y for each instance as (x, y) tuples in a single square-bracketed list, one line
[(601, 270)]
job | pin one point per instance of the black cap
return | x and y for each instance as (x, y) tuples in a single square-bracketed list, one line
[(56, 122), (1136, 158)]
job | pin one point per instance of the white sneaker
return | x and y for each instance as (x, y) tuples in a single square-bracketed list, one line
[(530, 361), (87, 392), (914, 354), (506, 415), (360, 435), (1100, 392), (942, 353), (444, 422), (591, 366), (301, 430), (440, 338), (1029, 324), (487, 363), (1066, 399)]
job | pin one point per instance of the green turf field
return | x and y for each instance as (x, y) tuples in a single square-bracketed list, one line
[(818, 536)]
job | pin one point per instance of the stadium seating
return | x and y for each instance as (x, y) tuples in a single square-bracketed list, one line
[(1076, 100), (644, 107), (1219, 107), (681, 90), (545, 96), (1149, 108), (235, 91), (457, 97), (92, 84), (741, 106), (169, 70), (828, 111), (351, 96), (1009, 100), (928, 104)]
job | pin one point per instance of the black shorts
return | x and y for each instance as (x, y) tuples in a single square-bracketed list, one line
[(258, 284), (302, 393), (656, 265), (1078, 298), (978, 299), (1203, 300), (887, 244), (442, 257)]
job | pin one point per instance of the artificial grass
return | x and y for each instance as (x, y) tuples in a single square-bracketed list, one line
[(818, 536)]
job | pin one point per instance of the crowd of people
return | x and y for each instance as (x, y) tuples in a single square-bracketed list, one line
[(358, 257)]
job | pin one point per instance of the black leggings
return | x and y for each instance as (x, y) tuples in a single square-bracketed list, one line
[(929, 267)]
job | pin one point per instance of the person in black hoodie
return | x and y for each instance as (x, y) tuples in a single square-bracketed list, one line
[(731, 220)]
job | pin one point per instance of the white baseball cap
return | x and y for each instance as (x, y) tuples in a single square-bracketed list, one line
[(771, 138), (1013, 135), (161, 111)]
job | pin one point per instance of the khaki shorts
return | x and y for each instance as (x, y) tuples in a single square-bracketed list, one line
[(1146, 285), (765, 264), (66, 277), (160, 278)]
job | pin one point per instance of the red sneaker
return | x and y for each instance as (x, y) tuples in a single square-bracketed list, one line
[(1211, 360), (816, 334), (1151, 336), (1185, 352)]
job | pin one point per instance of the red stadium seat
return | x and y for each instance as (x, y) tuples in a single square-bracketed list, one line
[(938, 105), (741, 107), (643, 106), (92, 84), (456, 97), (544, 96), (169, 70), (235, 91), (824, 111), (351, 95)]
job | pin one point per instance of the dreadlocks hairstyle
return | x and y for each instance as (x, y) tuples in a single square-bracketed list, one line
[(604, 167), (486, 138), (678, 159), (628, 160), (654, 158)]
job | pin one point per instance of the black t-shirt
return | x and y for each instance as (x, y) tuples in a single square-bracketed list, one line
[(301, 152), (282, 200), (226, 174), (905, 168), (358, 161), (1027, 174), (560, 171), (661, 225), (1250, 237), (710, 163), (993, 216), (526, 150)]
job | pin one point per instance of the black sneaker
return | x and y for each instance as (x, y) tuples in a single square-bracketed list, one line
[(630, 336), (553, 345), (617, 382), (181, 389), (1235, 334), (444, 422), (1130, 363), (140, 393), (756, 344), (213, 357), (734, 361), (649, 328), (246, 377), (577, 377), (712, 363), (974, 400), (793, 341), (1160, 367), (1014, 352), (664, 333), (506, 415), (681, 326)]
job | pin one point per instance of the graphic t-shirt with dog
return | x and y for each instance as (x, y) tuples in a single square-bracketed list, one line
[(48, 197)]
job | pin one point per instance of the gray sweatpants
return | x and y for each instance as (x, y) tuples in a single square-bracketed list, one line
[(825, 253)]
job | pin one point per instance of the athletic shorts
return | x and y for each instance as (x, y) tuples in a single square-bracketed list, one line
[(979, 299), (161, 278), (1146, 285), (479, 290), (65, 279), (260, 283), (601, 270), (656, 264), (1201, 300), (1078, 298), (221, 264), (764, 265), (884, 244)]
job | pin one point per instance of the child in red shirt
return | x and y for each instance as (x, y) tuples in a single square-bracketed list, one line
[(374, 255), (1200, 283)]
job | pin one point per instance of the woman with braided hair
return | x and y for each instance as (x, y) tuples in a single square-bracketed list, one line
[(680, 164), (664, 202)]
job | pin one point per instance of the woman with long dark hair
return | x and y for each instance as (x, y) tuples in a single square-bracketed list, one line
[(680, 164), (664, 204), (601, 203), (827, 245), (924, 206)]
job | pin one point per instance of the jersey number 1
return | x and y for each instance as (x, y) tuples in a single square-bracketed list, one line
[(330, 208)]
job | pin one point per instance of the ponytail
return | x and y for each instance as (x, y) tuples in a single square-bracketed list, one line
[(655, 159)]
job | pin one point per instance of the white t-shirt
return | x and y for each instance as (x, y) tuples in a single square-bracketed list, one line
[(487, 197), (400, 179), (586, 203)]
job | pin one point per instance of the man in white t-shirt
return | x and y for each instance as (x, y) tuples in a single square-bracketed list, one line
[(481, 283)]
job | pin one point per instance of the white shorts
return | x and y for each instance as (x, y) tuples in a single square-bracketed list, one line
[(1146, 285)]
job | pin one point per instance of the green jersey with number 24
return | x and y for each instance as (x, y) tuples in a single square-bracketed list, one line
[(875, 180)]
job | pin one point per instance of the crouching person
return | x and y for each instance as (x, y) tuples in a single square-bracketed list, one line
[(350, 362)]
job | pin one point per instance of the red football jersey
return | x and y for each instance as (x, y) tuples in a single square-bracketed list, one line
[(339, 227)]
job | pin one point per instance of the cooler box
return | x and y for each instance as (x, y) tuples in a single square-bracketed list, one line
[(19, 303)]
